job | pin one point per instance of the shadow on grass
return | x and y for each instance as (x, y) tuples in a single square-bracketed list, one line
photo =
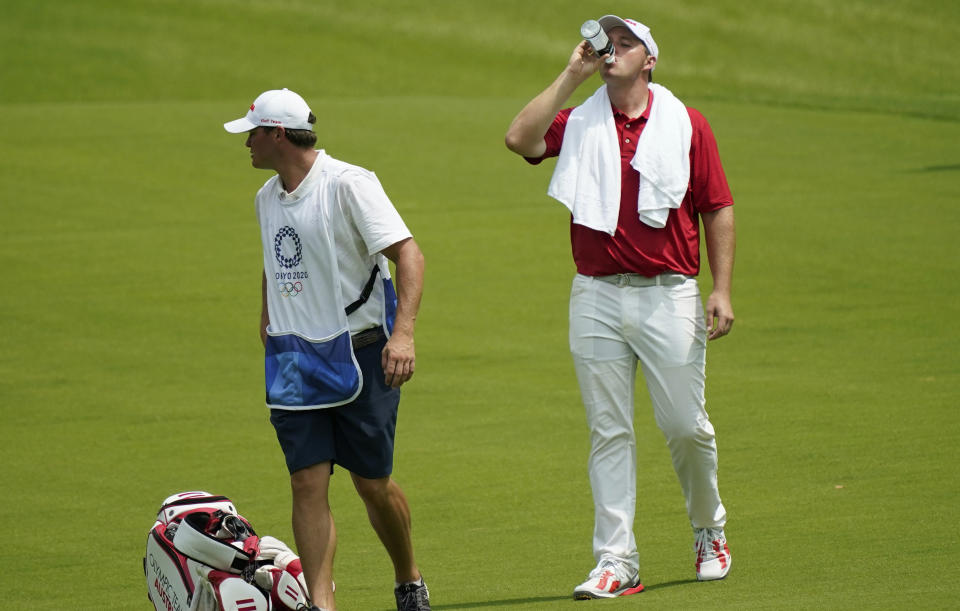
[(503, 603), (670, 584), (940, 168), (543, 599)]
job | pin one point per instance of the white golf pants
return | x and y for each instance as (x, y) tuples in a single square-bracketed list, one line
[(662, 327)]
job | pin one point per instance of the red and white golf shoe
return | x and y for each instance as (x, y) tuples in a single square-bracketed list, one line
[(713, 554), (611, 578)]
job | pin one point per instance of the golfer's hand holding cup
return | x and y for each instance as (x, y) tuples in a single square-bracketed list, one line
[(600, 43), (583, 62), (586, 59)]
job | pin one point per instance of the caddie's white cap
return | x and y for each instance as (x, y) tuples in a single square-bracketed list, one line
[(274, 108), (608, 22)]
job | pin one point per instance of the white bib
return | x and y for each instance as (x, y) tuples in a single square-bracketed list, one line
[(309, 359)]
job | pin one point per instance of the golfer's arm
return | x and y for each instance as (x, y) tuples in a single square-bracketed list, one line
[(720, 237), (526, 132)]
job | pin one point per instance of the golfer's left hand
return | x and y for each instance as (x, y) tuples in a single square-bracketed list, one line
[(719, 314), (398, 360)]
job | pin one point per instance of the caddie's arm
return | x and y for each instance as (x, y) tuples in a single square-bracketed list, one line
[(399, 357), (264, 314), (526, 132), (720, 237)]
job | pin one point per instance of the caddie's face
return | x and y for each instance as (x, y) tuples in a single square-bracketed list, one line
[(631, 57), (262, 143)]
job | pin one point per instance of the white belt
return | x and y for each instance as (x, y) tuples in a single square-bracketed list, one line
[(667, 279)]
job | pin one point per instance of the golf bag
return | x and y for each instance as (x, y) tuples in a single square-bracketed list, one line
[(204, 556)]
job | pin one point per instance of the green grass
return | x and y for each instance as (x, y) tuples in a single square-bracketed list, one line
[(130, 366)]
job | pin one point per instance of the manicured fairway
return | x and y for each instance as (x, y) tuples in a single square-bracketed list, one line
[(130, 366)]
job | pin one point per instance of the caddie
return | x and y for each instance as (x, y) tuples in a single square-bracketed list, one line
[(638, 171), (339, 340)]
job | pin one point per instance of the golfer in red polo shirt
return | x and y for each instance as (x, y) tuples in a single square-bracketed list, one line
[(638, 171)]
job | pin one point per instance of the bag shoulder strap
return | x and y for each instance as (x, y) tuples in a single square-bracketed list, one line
[(365, 294)]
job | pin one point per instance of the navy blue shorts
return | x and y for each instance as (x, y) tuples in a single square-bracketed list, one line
[(358, 436)]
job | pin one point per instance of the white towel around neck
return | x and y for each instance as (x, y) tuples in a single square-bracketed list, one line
[(587, 175)]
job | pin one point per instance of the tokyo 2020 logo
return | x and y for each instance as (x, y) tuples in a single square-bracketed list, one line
[(279, 249)]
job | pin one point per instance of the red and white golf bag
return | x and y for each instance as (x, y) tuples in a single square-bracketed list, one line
[(204, 556)]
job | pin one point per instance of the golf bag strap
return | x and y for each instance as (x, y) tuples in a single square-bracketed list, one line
[(365, 294), (192, 540), (196, 500)]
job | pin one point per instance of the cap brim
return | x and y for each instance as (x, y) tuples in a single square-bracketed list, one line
[(608, 22), (239, 126)]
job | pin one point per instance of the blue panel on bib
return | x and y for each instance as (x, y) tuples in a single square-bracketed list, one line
[(301, 373), (389, 305)]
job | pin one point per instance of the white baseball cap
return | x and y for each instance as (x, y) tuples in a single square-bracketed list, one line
[(274, 108), (608, 22)]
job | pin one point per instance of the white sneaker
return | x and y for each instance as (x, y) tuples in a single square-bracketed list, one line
[(611, 578), (713, 554)]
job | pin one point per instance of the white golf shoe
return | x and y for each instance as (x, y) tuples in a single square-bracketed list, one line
[(611, 578), (713, 554)]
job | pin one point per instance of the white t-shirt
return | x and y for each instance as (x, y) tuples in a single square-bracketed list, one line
[(362, 221)]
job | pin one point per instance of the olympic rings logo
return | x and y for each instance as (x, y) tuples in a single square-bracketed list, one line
[(288, 262), (289, 289)]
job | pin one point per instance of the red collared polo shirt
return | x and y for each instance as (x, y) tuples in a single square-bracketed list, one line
[(637, 247)]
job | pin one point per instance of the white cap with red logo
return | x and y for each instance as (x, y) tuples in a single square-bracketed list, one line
[(608, 22), (274, 108)]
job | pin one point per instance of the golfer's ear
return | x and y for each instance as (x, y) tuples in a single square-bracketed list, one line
[(651, 62), (279, 133)]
